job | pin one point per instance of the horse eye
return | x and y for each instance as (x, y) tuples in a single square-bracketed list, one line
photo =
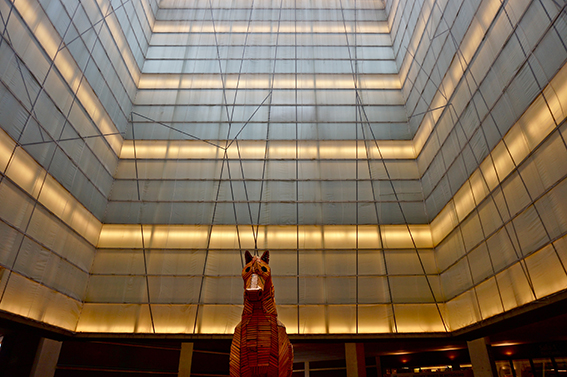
[(247, 269), (264, 269)]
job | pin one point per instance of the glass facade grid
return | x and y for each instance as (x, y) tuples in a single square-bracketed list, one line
[(401, 159)]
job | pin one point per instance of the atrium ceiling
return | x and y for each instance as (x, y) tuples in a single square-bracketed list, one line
[(404, 161)]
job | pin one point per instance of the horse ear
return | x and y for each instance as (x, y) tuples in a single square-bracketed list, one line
[(266, 257), (248, 257)]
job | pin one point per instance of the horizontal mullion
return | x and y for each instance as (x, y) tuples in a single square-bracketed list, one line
[(166, 8), (268, 201), (248, 104), (359, 90), (342, 44), (339, 33), (265, 180), (506, 223), (306, 250), (246, 160), (46, 247), (241, 122), (238, 59), (273, 275), (41, 283)]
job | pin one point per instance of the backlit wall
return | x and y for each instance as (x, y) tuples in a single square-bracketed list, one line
[(403, 161)]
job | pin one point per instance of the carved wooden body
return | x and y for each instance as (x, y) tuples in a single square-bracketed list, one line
[(260, 346)]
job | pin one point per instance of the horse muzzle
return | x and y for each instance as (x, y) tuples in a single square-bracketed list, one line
[(254, 288)]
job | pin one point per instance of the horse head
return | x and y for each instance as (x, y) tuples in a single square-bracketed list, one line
[(257, 277)]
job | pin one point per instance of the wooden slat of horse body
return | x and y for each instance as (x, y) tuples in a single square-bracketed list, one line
[(260, 346)]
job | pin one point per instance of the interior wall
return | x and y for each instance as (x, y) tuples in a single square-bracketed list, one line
[(69, 74), (475, 77), (146, 234)]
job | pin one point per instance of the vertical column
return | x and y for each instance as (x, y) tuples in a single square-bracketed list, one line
[(355, 363), (185, 359), (46, 358), (306, 369), (514, 370), (481, 359), (378, 366)]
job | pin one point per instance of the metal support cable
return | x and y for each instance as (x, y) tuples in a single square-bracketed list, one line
[(235, 139), (231, 183), (224, 161), (556, 121), (225, 155), (451, 111), (231, 117), (247, 197), (365, 120), (522, 180), (139, 196), (232, 140), (357, 173), (17, 59), (176, 130), (70, 139), (52, 158), (420, 67), (142, 232), (449, 105), (43, 82), (465, 67), (5, 23), (296, 115), (380, 238), (33, 103), (266, 150), (92, 26), (414, 244), (209, 234)]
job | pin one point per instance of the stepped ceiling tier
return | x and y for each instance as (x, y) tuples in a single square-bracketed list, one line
[(403, 161)]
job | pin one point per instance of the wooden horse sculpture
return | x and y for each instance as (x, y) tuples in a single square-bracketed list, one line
[(260, 346)]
